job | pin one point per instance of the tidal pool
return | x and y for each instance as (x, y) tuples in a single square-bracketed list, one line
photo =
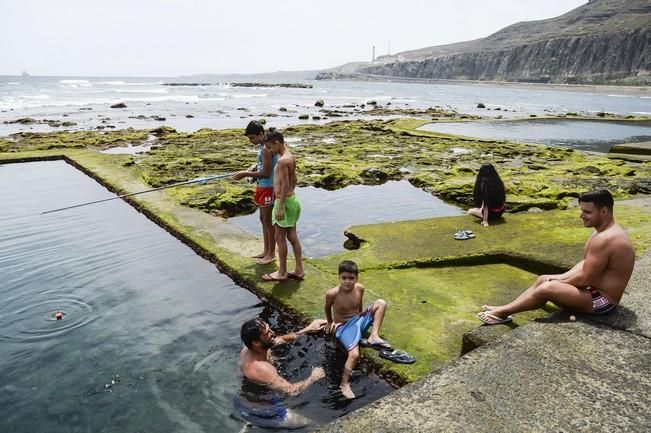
[(130, 149), (149, 340), (326, 214), (593, 135)]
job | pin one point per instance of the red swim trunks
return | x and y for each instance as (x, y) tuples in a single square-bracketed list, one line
[(264, 196)]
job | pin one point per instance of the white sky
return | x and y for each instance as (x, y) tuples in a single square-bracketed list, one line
[(184, 37)]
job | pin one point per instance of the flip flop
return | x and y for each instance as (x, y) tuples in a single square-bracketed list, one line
[(463, 235), (492, 319), (399, 356), (268, 278), (294, 276), (377, 345)]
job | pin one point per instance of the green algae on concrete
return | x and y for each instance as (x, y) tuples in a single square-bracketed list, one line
[(30, 141), (551, 240), (430, 308)]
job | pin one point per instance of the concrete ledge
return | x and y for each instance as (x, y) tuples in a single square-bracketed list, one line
[(541, 377), (643, 148), (631, 151), (593, 375)]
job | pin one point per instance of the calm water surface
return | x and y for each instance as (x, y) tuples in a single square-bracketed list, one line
[(596, 136), (150, 337), (325, 215)]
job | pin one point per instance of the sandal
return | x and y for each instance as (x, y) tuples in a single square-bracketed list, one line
[(399, 356), (463, 235)]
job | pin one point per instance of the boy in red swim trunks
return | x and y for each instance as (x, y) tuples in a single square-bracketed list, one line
[(263, 172)]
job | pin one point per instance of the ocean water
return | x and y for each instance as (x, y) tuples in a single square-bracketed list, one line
[(86, 101), (596, 136), (149, 340)]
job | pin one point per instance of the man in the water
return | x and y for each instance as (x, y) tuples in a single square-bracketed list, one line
[(596, 284), (259, 402)]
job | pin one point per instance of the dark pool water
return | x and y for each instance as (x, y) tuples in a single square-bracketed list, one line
[(597, 136), (150, 337), (325, 215)]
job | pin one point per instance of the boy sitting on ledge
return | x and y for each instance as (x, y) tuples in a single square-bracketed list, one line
[(344, 315)]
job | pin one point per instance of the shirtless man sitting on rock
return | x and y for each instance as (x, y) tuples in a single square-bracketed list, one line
[(596, 284)]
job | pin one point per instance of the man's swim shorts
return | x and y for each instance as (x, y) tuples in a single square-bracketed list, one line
[(292, 212), (270, 416), (600, 305)]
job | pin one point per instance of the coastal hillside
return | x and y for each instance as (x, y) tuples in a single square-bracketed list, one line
[(601, 42)]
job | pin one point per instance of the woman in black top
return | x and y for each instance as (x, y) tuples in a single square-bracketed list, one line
[(489, 195)]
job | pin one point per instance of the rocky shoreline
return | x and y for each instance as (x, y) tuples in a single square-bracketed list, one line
[(237, 84), (603, 89), (339, 154)]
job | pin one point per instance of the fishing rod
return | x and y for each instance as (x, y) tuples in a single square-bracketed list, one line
[(200, 180)]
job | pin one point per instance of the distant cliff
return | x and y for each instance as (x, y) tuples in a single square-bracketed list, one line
[(601, 42)]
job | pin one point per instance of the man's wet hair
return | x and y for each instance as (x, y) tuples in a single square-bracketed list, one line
[(254, 128), (348, 266), (274, 135), (601, 198), (251, 331)]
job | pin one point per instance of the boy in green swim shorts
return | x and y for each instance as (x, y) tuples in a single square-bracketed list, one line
[(286, 210)]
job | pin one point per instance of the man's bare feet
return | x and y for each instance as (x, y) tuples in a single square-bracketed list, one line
[(258, 256), (265, 260), (488, 307), (492, 318), (346, 391)]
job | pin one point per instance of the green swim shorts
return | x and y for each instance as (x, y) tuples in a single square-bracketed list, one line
[(292, 212)]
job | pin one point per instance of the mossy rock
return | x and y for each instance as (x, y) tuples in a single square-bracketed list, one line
[(222, 199), (339, 154)]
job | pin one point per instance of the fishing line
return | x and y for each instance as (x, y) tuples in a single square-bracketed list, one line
[(199, 180)]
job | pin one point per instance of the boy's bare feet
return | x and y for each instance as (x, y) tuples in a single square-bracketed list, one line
[(273, 277), (258, 256), (265, 260), (346, 390), (296, 276)]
